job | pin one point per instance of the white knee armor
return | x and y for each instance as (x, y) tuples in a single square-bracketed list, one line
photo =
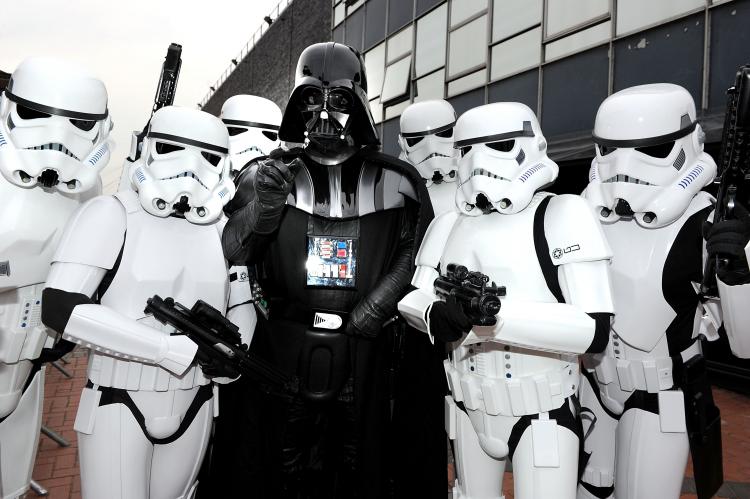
[(645, 185), (253, 123), (426, 141), (511, 384), (54, 142), (147, 402)]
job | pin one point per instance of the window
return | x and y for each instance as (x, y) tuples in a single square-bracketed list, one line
[(400, 44), (425, 5), (567, 15), (355, 25), (468, 48), (516, 54), (377, 110), (513, 16), (354, 6), (578, 41), (670, 53), (396, 81), (729, 41), (636, 14), (389, 138), (396, 110), (431, 86), (431, 41), (338, 34), (521, 88), (461, 10), (375, 25), (375, 67), (466, 83), (339, 12), (464, 102), (400, 13)]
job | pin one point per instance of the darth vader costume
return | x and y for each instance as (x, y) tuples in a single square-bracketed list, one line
[(332, 229)]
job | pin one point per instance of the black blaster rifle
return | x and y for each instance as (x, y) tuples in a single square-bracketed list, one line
[(219, 342), (734, 168), (165, 91), (479, 299)]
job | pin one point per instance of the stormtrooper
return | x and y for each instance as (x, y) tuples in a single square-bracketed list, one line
[(145, 415), (426, 141), (253, 124), (54, 142), (333, 228), (513, 376), (645, 184)]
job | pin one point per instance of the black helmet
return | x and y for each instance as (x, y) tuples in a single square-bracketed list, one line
[(329, 105)]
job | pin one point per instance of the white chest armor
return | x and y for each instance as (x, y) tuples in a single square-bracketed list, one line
[(172, 258), (502, 247), (443, 197)]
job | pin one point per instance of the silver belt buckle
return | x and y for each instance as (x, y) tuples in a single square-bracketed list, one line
[(327, 321)]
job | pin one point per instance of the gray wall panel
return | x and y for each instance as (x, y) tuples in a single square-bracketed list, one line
[(355, 27), (400, 13), (522, 88), (389, 137), (573, 88), (464, 102), (672, 53), (374, 22), (730, 48)]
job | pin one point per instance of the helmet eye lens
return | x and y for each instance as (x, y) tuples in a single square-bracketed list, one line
[(414, 141), (234, 130), (85, 125), (502, 145), (271, 135), (660, 151), (465, 150), (27, 113), (211, 158), (312, 98), (445, 134), (604, 150), (165, 148), (339, 100)]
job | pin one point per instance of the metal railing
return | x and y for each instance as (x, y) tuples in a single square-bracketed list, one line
[(265, 26)]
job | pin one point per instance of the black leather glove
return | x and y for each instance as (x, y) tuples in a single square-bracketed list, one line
[(448, 322), (273, 183), (727, 239), (215, 368)]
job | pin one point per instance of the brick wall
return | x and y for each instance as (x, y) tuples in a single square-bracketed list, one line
[(268, 70)]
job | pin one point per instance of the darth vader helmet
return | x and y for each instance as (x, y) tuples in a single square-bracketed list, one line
[(328, 110)]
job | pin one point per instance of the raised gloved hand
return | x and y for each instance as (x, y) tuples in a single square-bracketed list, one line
[(273, 183), (727, 240), (448, 322)]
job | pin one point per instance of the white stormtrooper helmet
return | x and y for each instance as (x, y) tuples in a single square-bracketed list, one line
[(54, 127), (426, 140), (503, 158), (183, 168), (253, 123), (649, 160)]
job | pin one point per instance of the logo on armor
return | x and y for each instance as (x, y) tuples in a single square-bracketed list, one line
[(559, 252), (5, 268), (243, 277)]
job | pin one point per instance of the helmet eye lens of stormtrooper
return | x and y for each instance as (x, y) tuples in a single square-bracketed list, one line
[(502, 145), (660, 151), (165, 148), (605, 150), (211, 158), (85, 125), (445, 133), (234, 130), (465, 150), (271, 135), (414, 141), (27, 113)]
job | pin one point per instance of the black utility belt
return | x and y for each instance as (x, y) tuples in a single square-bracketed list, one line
[(316, 319)]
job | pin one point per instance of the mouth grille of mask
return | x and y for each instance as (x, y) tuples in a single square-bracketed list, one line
[(271, 135), (27, 113), (165, 148), (626, 178), (325, 127)]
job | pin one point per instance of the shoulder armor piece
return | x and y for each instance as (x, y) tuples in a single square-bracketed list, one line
[(573, 232), (434, 240), (129, 200), (95, 233)]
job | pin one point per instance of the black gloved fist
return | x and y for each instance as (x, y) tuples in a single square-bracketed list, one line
[(727, 240), (274, 181), (448, 322), (214, 368)]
